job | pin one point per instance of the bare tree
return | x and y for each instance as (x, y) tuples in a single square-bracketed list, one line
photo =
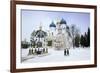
[(32, 39), (74, 32)]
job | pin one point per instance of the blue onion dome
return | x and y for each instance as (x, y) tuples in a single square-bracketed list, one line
[(52, 25), (63, 21)]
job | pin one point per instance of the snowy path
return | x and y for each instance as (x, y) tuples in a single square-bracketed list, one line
[(77, 54)]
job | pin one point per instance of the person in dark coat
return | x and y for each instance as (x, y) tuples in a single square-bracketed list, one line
[(46, 50), (43, 50), (65, 52), (32, 51), (35, 50)]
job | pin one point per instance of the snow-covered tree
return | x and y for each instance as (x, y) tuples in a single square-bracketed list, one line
[(74, 32), (85, 39), (25, 44), (77, 40)]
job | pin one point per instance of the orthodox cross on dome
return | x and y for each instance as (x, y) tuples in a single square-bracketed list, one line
[(57, 21), (40, 27)]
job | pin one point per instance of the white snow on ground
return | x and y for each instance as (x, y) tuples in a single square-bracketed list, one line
[(77, 54)]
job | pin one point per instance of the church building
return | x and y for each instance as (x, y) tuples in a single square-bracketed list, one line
[(59, 34)]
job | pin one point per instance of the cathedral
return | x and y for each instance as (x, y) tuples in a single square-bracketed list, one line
[(60, 35)]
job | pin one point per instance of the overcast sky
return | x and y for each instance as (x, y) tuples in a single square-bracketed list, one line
[(31, 20)]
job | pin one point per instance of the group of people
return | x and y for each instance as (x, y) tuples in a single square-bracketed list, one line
[(66, 52), (38, 51)]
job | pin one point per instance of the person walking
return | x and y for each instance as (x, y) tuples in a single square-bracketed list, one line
[(65, 52), (68, 52)]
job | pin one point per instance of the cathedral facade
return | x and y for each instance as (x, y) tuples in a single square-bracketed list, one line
[(59, 34)]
